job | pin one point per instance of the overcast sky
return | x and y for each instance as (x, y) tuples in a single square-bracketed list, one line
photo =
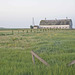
[(19, 13)]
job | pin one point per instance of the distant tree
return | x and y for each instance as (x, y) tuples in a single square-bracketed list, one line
[(31, 26)]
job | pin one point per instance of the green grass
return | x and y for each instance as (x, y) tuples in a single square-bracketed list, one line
[(57, 47)]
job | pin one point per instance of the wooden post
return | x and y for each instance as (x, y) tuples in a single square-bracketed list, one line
[(18, 31), (33, 58), (23, 31), (31, 30), (43, 61), (12, 32), (27, 31)]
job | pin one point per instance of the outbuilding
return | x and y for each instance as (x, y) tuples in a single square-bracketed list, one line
[(35, 27)]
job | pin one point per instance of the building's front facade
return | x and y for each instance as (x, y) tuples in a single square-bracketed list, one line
[(56, 24)]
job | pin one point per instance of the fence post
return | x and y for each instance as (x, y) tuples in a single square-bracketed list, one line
[(33, 58), (18, 31), (12, 32)]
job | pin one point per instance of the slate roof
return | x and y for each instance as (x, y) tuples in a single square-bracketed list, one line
[(56, 22)]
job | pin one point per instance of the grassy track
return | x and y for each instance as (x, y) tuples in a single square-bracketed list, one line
[(57, 47)]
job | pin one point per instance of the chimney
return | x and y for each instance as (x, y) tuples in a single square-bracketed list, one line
[(66, 17)]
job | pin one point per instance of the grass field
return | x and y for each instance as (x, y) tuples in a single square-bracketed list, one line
[(57, 47)]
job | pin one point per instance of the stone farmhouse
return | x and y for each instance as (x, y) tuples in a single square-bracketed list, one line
[(56, 24)]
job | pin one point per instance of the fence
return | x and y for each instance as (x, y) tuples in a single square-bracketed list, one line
[(39, 58), (23, 31), (71, 63), (43, 61)]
